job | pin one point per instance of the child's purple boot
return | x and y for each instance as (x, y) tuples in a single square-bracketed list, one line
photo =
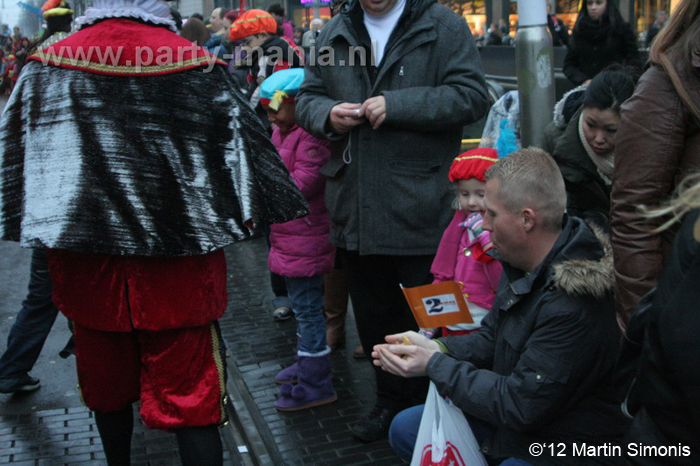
[(314, 385)]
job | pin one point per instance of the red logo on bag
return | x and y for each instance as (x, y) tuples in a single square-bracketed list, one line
[(451, 457)]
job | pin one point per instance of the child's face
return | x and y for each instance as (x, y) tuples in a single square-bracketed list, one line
[(471, 195), (282, 118)]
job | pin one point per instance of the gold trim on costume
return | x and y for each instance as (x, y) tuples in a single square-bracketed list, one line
[(122, 69), (220, 369), (470, 157)]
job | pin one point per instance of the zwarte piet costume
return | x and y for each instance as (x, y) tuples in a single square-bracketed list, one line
[(128, 153)]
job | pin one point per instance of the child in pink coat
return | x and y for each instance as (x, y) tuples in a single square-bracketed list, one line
[(463, 252), (300, 250)]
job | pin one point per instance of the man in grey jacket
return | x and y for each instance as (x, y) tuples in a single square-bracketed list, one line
[(391, 82), (540, 370)]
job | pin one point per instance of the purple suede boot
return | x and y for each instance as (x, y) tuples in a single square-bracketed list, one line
[(314, 385), (288, 374)]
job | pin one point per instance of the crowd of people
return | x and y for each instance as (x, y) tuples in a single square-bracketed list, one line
[(14, 50), (353, 174)]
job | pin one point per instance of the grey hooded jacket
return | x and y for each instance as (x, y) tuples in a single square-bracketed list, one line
[(541, 368), (388, 191)]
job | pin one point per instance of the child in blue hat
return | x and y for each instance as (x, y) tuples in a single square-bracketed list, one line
[(300, 250)]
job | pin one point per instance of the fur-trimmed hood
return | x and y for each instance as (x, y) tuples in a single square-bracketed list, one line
[(567, 106), (579, 276)]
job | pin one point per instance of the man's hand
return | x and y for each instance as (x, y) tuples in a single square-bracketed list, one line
[(374, 109), (405, 360), (344, 117)]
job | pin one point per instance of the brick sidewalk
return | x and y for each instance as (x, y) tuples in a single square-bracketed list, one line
[(69, 436), (260, 347)]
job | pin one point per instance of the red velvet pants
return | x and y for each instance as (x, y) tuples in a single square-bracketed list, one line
[(145, 329), (179, 375)]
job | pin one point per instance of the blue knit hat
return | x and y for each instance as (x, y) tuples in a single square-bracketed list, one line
[(281, 87)]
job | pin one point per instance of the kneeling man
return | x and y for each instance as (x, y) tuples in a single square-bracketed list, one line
[(540, 370)]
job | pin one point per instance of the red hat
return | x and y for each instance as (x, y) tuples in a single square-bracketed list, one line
[(252, 22), (473, 164)]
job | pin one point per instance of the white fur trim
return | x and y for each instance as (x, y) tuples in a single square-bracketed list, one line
[(315, 355), (558, 113)]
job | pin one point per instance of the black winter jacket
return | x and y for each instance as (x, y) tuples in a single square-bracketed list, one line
[(587, 57), (540, 369), (669, 385)]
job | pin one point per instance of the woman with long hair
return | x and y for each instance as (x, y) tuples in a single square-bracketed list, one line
[(658, 145), (600, 37)]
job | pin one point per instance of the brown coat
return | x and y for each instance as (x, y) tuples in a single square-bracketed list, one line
[(658, 144)]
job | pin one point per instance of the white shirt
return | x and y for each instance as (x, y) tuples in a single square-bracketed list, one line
[(381, 27)]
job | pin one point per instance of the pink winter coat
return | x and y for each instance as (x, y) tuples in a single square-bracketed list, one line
[(455, 260), (301, 248)]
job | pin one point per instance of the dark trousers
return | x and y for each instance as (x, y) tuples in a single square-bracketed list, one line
[(277, 282), (33, 322), (381, 309)]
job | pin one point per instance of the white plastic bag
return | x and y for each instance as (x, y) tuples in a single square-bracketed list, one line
[(444, 436)]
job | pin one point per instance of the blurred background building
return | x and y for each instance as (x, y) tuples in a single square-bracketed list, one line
[(478, 14)]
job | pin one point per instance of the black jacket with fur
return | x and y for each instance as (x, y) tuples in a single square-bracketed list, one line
[(540, 369)]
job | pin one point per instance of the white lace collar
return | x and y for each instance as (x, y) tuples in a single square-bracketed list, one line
[(151, 11)]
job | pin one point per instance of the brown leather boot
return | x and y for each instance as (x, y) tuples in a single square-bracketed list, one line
[(336, 307)]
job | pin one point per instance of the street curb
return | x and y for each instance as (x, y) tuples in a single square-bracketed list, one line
[(245, 417)]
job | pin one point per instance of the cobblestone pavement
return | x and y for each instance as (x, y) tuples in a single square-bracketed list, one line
[(260, 347), (68, 436)]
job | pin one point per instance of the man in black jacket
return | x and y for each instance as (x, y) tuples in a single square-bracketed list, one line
[(540, 369)]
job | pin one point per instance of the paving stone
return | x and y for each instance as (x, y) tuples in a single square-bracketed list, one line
[(85, 449), (64, 417), (91, 434), (78, 458)]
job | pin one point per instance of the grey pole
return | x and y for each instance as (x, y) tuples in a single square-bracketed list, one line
[(534, 62)]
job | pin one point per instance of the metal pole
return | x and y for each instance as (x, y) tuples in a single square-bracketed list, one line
[(534, 62)]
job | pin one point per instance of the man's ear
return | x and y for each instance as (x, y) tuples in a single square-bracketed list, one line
[(528, 218)]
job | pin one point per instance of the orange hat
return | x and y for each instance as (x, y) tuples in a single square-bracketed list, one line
[(252, 22), (473, 164)]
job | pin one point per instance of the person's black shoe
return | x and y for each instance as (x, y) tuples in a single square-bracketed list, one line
[(375, 426), (24, 383)]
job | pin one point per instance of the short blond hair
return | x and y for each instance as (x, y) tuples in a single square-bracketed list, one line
[(531, 178)]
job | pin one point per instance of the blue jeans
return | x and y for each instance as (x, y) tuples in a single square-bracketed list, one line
[(404, 432), (306, 294), (33, 322)]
